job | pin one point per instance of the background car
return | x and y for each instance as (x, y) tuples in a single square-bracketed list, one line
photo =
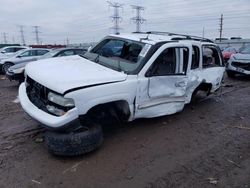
[(16, 72), (227, 52), (23, 56), (239, 63), (8, 51)]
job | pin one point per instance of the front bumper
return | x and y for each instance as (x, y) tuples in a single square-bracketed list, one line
[(13, 76), (49, 121), (237, 69)]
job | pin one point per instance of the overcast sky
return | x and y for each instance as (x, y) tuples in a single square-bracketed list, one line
[(89, 20)]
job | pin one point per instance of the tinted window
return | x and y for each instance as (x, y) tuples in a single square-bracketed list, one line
[(25, 54)]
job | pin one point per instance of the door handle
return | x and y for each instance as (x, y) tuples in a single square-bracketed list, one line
[(180, 84)]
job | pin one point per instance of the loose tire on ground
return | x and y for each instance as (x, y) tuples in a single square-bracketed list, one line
[(74, 143)]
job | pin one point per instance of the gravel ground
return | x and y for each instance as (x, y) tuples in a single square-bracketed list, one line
[(206, 145)]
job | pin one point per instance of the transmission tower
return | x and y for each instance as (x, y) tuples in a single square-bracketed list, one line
[(116, 18), (5, 38), (221, 26), (138, 19), (22, 34), (36, 31)]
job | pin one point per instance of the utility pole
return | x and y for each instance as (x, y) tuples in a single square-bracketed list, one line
[(5, 38), (22, 34), (221, 26), (116, 18), (36, 31), (138, 19), (67, 41), (203, 32)]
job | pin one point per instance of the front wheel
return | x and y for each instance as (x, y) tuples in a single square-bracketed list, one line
[(6, 66)]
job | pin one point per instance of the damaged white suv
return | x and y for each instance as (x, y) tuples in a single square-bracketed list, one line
[(124, 77)]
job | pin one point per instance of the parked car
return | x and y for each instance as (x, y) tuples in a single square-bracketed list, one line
[(227, 52), (239, 63), (6, 52), (24, 56), (122, 78), (16, 72)]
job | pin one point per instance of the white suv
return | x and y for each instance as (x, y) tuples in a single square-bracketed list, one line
[(139, 75)]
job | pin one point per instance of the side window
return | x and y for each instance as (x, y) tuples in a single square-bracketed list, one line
[(211, 57), (26, 54), (172, 61), (9, 50), (80, 52), (195, 57), (41, 52), (66, 53)]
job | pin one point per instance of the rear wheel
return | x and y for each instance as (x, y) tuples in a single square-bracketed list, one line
[(6, 66)]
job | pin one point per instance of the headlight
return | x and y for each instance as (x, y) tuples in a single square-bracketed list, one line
[(18, 71), (57, 99)]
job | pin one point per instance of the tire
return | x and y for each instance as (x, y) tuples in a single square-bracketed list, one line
[(6, 66), (74, 143), (231, 74)]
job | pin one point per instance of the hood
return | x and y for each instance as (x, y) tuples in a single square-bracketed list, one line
[(65, 73), (243, 57)]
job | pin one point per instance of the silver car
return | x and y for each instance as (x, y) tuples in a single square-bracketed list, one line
[(23, 56), (239, 63)]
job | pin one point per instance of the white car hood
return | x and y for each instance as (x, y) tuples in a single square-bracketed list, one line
[(242, 57), (66, 73)]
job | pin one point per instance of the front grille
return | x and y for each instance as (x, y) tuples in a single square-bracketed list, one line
[(245, 66), (37, 94)]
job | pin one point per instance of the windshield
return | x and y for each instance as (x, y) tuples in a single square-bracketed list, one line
[(245, 51), (119, 54), (230, 49), (50, 54)]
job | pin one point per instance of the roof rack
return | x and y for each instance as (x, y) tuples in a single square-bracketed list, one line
[(187, 37)]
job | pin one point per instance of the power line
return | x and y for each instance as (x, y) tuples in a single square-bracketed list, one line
[(221, 26), (116, 18), (22, 34), (36, 31), (138, 19)]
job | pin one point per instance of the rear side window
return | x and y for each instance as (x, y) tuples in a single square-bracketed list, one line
[(195, 57), (211, 57)]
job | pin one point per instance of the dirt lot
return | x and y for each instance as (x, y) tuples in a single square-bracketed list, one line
[(206, 145)]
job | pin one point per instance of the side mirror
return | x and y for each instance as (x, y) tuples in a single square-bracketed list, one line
[(19, 56)]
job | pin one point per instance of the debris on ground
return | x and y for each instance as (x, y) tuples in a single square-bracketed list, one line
[(72, 168), (213, 181), (17, 100), (39, 140), (234, 163), (37, 182)]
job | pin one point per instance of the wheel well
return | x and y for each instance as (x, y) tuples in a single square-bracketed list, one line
[(118, 110), (8, 62), (202, 87)]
